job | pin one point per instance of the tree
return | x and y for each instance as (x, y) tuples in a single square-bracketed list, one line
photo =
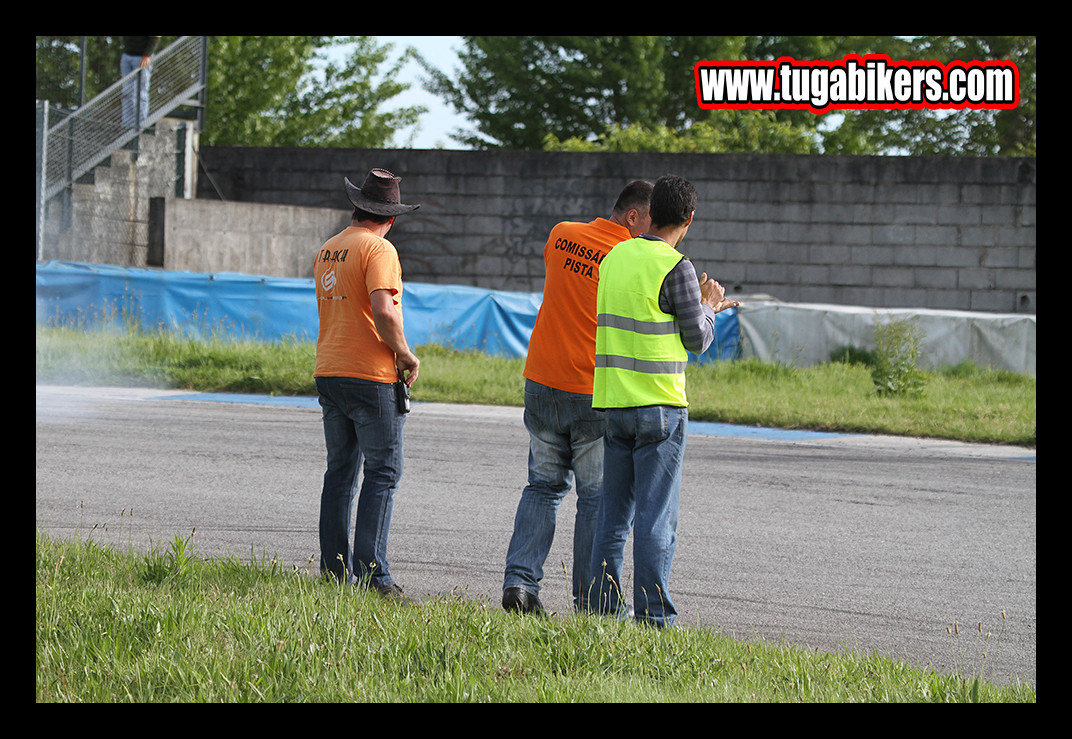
[(284, 91), (986, 132), (583, 92), (519, 89), (682, 126), (525, 92)]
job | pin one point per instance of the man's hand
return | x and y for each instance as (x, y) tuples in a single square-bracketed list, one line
[(408, 366), (714, 295)]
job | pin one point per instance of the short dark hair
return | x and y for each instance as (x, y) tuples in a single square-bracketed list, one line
[(637, 194), (673, 199), (364, 215)]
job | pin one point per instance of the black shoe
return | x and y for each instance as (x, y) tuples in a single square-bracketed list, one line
[(394, 592), (522, 601)]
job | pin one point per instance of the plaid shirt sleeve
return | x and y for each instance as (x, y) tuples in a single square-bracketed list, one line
[(680, 296)]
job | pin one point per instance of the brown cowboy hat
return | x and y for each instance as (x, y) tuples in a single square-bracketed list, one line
[(379, 194)]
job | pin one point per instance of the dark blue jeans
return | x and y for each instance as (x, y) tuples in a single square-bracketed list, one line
[(363, 433)]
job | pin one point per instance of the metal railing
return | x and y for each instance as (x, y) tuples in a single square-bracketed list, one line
[(81, 140), (71, 144)]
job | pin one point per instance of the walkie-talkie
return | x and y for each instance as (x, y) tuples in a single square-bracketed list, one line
[(402, 394)]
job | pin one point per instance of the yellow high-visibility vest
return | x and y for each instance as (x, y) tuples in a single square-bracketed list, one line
[(640, 359)]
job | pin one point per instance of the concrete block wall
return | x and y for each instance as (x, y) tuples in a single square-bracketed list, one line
[(251, 238), (893, 232)]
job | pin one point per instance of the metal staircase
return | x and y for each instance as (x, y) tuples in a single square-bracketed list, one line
[(72, 146)]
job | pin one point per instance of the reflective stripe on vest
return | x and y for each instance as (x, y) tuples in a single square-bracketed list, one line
[(640, 359)]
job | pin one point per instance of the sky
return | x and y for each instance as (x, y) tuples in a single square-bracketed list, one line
[(440, 120)]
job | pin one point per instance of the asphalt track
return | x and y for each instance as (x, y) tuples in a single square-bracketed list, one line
[(831, 541)]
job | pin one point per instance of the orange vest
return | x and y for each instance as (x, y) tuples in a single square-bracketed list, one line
[(348, 268), (562, 347)]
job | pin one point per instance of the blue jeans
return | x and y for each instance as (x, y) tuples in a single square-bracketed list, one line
[(642, 454), (565, 443), (362, 432), (135, 88)]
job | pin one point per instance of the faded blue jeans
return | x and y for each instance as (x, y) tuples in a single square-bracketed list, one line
[(363, 433), (643, 449), (135, 102), (565, 444)]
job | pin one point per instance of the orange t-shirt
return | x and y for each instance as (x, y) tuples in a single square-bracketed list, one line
[(348, 268), (563, 343)]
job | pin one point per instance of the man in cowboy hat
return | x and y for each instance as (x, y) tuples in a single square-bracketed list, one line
[(363, 363)]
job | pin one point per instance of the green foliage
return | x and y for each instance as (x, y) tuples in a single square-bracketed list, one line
[(965, 132), (283, 91), (629, 93), (519, 89), (260, 633), (637, 93), (174, 565), (895, 362), (749, 131)]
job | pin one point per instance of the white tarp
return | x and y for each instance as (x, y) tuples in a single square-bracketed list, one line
[(805, 334)]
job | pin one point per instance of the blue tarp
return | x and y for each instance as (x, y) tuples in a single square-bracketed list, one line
[(272, 308)]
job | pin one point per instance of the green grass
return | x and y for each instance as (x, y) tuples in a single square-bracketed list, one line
[(169, 627), (167, 359), (963, 403)]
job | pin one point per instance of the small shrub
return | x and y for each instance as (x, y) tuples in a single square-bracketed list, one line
[(895, 368)]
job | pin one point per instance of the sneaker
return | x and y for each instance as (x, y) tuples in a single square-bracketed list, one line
[(522, 601)]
